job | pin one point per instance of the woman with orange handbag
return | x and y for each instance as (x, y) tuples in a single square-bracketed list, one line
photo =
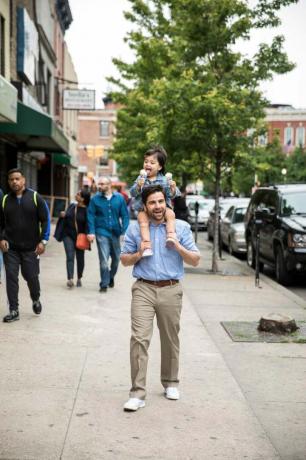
[(74, 232)]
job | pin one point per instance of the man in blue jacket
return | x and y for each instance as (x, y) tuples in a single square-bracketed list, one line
[(108, 218)]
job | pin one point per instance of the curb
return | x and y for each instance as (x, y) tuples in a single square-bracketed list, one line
[(277, 287)]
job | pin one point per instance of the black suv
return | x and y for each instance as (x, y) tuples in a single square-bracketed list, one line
[(281, 209)]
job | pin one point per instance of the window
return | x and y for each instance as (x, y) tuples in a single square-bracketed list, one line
[(263, 139), (48, 90), (300, 136), (103, 160), (239, 215), (288, 136), (104, 128), (2, 45)]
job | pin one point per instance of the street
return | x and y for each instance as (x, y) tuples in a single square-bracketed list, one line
[(65, 374)]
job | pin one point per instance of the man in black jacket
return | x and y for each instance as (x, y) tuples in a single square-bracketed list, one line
[(24, 233)]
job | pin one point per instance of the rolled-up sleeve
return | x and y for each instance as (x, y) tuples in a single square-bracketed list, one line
[(186, 239), (129, 242)]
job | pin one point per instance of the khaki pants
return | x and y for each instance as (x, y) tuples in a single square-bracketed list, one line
[(166, 303)]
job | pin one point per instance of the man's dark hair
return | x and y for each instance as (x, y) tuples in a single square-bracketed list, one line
[(161, 155), (85, 194), (147, 191), (15, 170)]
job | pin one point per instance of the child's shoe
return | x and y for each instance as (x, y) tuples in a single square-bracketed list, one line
[(170, 241)]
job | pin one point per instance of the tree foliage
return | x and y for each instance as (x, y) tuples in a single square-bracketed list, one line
[(189, 88)]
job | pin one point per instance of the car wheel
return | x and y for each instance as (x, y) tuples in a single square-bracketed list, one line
[(283, 276), (250, 254)]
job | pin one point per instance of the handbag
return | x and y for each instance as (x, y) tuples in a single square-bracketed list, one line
[(59, 230), (82, 242)]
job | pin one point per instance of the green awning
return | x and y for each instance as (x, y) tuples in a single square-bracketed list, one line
[(35, 131), (61, 159)]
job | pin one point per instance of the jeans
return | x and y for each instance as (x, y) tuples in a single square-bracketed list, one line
[(108, 247), (71, 252), (29, 263)]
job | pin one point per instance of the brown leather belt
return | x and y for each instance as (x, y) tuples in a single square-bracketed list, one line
[(161, 283)]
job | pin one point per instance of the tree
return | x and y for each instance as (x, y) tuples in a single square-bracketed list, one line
[(264, 162), (296, 166), (190, 89)]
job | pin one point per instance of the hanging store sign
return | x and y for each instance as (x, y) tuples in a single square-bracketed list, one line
[(27, 46), (79, 99)]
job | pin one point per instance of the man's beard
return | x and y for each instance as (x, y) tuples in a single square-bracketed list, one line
[(158, 217)]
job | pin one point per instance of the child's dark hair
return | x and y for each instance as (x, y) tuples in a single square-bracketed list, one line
[(147, 191), (161, 155)]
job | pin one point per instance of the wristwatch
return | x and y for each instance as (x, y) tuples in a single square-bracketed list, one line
[(44, 242)]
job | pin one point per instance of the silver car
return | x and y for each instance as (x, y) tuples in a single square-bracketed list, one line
[(225, 204), (232, 229), (205, 207)]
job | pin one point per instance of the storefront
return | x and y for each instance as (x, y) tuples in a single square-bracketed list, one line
[(33, 141), (8, 114)]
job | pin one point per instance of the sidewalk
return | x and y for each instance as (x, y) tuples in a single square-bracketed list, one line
[(65, 374)]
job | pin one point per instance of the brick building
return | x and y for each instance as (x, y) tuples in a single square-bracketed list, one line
[(288, 124), (96, 133)]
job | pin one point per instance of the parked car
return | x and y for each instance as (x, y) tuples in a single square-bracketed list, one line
[(232, 229), (224, 204), (282, 233), (203, 212)]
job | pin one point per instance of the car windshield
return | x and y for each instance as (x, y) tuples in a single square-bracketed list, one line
[(293, 203), (239, 215)]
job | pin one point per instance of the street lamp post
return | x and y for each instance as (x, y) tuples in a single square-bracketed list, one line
[(284, 173)]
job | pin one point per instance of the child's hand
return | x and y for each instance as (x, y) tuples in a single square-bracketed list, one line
[(172, 184), (140, 183)]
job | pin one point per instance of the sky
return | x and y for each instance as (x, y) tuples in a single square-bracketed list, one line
[(97, 33)]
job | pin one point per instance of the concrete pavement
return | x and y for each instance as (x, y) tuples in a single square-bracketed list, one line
[(65, 374)]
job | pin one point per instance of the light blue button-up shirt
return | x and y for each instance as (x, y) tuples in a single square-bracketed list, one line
[(165, 263)]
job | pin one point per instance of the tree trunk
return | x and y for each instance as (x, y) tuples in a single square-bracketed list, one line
[(277, 324), (216, 216)]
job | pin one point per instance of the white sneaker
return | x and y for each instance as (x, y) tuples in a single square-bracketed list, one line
[(133, 404), (172, 393), (147, 252)]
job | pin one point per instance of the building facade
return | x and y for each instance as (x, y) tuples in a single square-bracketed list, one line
[(289, 124), (32, 63), (96, 134)]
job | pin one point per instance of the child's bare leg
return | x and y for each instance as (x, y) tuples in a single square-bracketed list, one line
[(143, 221), (170, 227)]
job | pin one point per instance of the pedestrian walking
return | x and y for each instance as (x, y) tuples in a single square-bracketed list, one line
[(180, 207), (153, 173), (156, 291), (108, 219), (74, 224), (24, 233)]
